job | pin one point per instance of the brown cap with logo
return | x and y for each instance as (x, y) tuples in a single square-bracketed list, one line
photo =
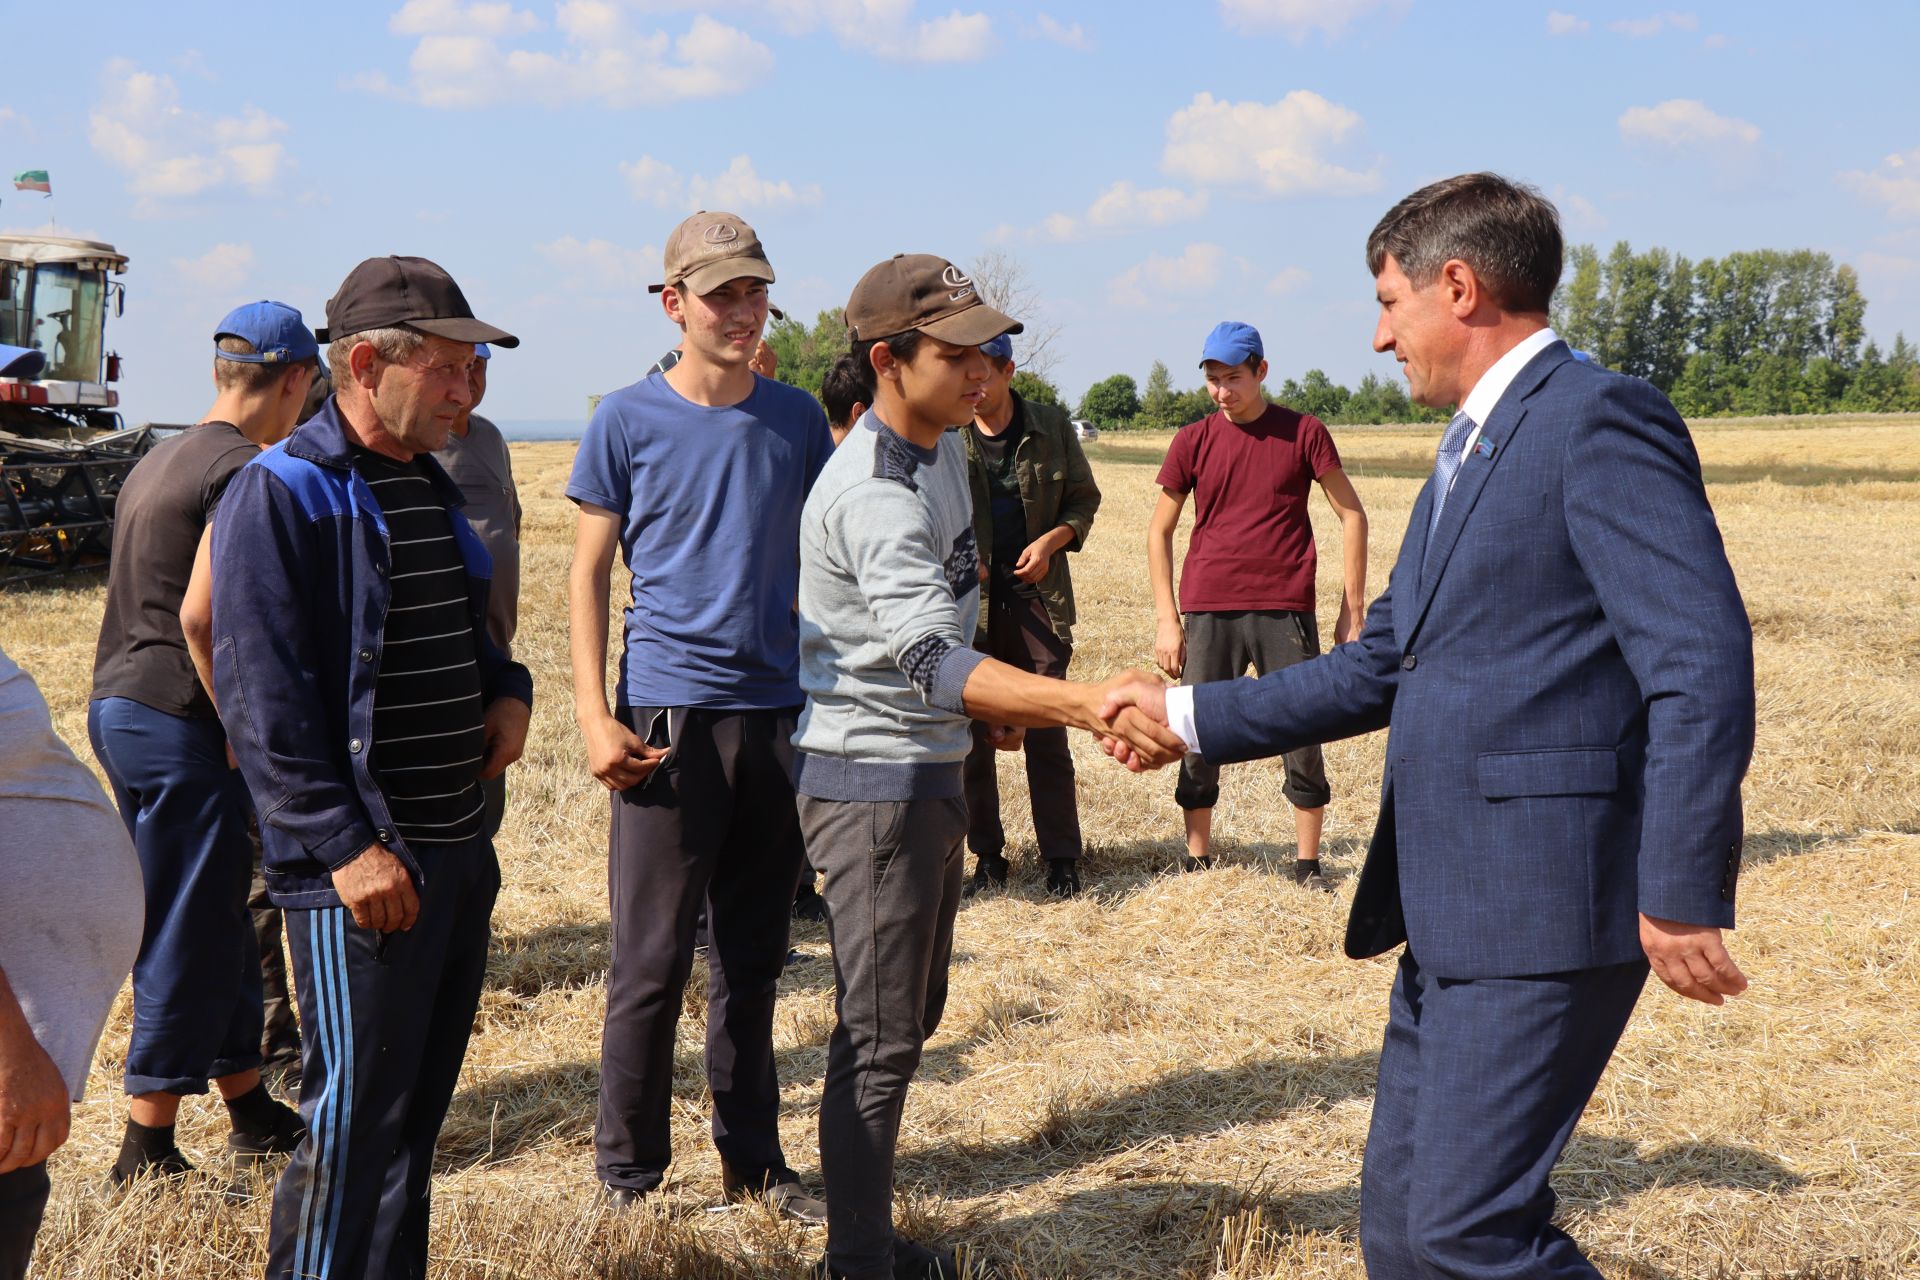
[(924, 292), (381, 293), (709, 249)]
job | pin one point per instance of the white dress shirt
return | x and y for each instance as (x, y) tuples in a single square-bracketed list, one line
[(1480, 402)]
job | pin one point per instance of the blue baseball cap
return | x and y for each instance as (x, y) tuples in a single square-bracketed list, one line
[(1232, 342), (1000, 348), (481, 351), (275, 331)]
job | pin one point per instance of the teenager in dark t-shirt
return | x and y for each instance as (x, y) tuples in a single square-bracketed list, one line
[(1247, 587), (196, 985)]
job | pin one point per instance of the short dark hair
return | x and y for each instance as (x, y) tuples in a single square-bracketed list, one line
[(843, 388), (1506, 231), (239, 375), (903, 345)]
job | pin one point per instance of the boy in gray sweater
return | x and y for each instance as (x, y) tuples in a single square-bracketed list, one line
[(889, 597)]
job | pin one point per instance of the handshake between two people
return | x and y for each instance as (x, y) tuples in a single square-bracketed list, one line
[(1126, 713)]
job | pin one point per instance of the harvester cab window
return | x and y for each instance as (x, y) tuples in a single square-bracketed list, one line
[(67, 311), (13, 307)]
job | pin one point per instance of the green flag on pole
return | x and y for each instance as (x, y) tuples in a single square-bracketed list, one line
[(32, 180)]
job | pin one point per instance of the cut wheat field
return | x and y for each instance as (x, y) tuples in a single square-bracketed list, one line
[(1171, 1076)]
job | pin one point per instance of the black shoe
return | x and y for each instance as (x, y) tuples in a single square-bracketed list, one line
[(170, 1165), (281, 1070), (911, 1261), (989, 872), (808, 905), (622, 1198), (279, 1138), (785, 1197), (1063, 877), (1188, 863), (1307, 874)]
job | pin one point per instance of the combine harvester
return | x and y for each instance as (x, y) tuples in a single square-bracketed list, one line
[(63, 449)]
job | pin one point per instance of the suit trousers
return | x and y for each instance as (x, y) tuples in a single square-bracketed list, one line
[(23, 1202), (1481, 1083), (714, 825), (387, 1018), (1020, 634), (891, 878)]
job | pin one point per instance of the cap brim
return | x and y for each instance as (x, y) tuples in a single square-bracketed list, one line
[(710, 277), (977, 324), (464, 329)]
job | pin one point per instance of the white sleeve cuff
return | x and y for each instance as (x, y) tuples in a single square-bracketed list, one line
[(1180, 717)]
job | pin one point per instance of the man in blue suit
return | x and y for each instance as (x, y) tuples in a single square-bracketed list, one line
[(1565, 670)]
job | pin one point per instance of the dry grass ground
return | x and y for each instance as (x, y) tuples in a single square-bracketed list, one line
[(1172, 1075)]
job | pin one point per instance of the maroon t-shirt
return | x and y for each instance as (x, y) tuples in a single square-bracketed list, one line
[(1252, 546)]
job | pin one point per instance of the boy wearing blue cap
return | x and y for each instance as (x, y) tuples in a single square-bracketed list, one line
[(196, 984), (1247, 587)]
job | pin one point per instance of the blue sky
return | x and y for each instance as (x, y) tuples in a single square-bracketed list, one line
[(1152, 168)]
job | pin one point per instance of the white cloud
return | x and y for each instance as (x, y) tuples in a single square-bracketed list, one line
[(167, 150), (737, 187), (1048, 27), (1654, 24), (1299, 18), (601, 267), (11, 119), (1280, 147), (1565, 24), (1121, 207), (1196, 271), (1290, 280), (1686, 123), (220, 269), (1718, 40), (1895, 184), (888, 29), (468, 55)]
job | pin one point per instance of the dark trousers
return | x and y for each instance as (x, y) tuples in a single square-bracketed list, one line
[(280, 1032), (714, 824), (196, 983), (387, 1017), (891, 877), (23, 1201), (1481, 1082), (1020, 634), (1221, 646)]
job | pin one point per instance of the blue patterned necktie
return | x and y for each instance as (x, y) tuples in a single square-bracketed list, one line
[(1446, 465)]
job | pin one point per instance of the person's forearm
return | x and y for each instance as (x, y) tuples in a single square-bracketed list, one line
[(1057, 539), (199, 634), (1001, 694), (587, 595), (1160, 571), (1353, 586)]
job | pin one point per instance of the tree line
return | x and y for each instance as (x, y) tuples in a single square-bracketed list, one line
[(1758, 332)]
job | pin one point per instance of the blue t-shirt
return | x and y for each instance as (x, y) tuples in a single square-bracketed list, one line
[(709, 502)]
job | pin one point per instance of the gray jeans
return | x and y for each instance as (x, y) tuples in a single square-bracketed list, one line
[(1221, 646), (891, 879)]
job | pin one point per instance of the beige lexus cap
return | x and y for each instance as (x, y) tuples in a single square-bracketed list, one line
[(709, 249), (924, 292)]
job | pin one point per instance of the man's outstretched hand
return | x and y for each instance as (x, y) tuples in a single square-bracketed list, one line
[(1692, 959), (1134, 709)]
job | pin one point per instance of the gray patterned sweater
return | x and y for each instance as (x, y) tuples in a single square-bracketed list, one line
[(889, 591)]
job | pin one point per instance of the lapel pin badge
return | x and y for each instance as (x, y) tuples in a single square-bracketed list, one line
[(1484, 447)]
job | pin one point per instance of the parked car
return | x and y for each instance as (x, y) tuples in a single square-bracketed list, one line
[(1084, 430)]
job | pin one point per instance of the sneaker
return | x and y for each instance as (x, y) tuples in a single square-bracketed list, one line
[(1063, 877), (1190, 863), (1307, 874), (911, 1261), (989, 872), (282, 1137), (808, 905), (787, 1197), (171, 1165)]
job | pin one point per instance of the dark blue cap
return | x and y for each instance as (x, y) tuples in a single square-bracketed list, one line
[(1232, 342), (481, 351), (275, 331), (1000, 348)]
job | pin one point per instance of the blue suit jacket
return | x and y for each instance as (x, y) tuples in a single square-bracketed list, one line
[(1567, 689)]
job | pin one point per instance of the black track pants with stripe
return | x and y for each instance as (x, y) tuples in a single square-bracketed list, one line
[(386, 1020)]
